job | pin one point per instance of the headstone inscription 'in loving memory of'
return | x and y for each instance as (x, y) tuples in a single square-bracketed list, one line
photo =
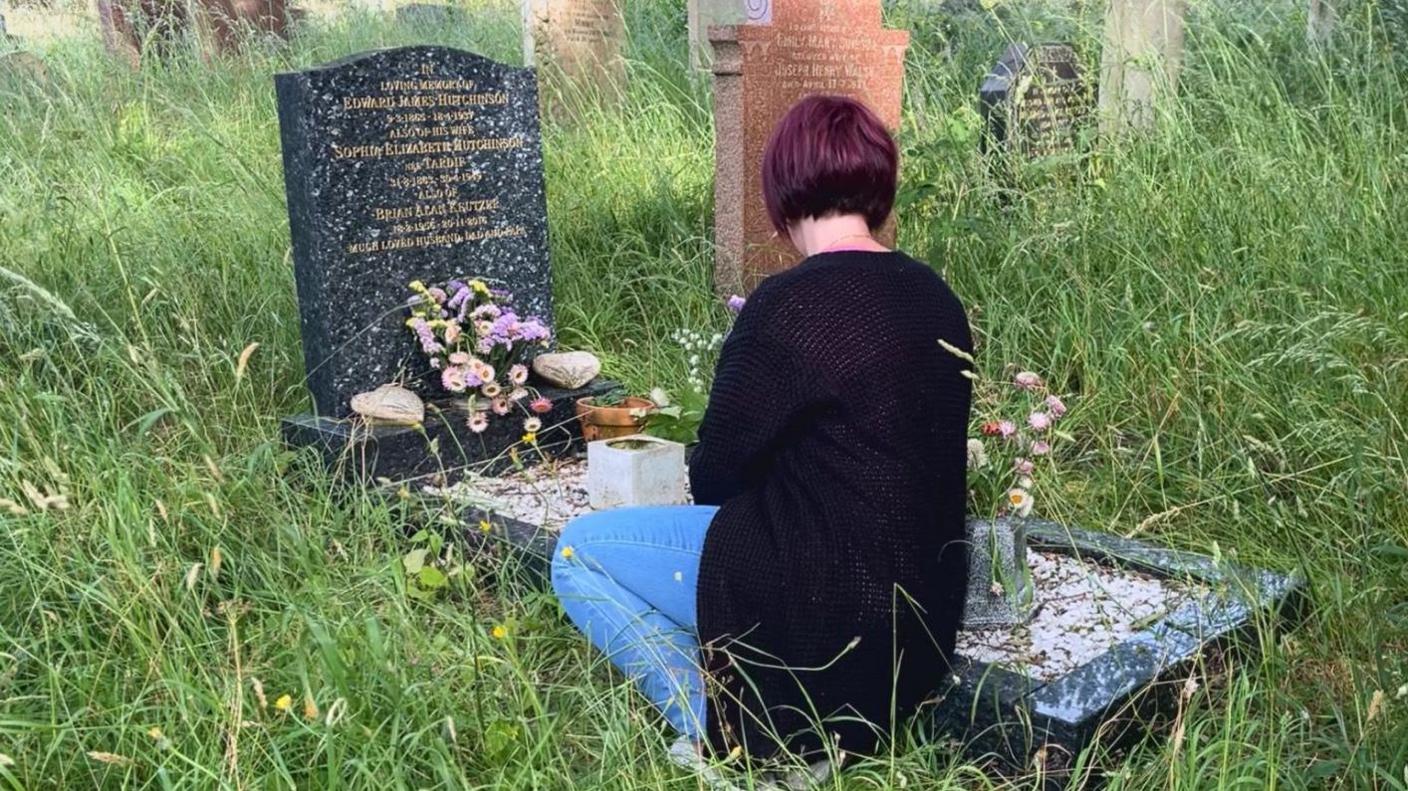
[(760, 71), (1035, 101), (419, 163)]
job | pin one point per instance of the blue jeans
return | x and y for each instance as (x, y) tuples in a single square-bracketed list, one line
[(627, 579)]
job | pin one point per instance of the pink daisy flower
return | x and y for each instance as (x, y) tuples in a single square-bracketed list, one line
[(491, 389), (1027, 380), (478, 422), (518, 374), (500, 406), (540, 405), (453, 379)]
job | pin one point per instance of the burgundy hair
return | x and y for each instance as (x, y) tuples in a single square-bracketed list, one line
[(829, 155)]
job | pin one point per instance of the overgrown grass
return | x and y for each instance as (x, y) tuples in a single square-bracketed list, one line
[(1225, 298)]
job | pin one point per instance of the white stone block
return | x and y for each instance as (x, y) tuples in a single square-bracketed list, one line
[(635, 470)]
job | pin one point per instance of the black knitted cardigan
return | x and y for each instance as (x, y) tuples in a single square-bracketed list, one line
[(832, 578)]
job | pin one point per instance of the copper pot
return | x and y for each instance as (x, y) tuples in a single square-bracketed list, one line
[(610, 422)]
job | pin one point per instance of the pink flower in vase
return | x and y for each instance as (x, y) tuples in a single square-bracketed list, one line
[(453, 378), (478, 422)]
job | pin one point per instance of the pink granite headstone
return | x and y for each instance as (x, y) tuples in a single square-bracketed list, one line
[(762, 69)]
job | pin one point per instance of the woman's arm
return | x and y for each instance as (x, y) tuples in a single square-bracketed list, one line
[(755, 395)]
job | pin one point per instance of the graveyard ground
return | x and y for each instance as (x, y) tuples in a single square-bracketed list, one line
[(1225, 300)]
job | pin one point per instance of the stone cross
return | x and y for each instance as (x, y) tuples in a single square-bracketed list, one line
[(760, 71), (1143, 53), (418, 163)]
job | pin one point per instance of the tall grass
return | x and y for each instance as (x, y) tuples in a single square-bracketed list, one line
[(1225, 297)]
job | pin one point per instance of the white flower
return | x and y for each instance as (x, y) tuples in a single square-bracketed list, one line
[(659, 396), (532, 425), (1020, 501), (977, 454)]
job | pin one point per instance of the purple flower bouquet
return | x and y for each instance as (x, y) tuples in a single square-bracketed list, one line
[(472, 336)]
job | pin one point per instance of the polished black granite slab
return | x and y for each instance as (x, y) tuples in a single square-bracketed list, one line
[(415, 163)]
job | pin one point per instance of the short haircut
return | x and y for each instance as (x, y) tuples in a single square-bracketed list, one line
[(829, 155)]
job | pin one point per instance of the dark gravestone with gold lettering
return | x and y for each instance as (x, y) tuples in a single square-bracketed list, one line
[(418, 163), (1036, 102), (421, 163)]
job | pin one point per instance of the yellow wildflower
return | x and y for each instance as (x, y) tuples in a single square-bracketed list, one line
[(567, 553), (498, 632), (416, 285), (478, 285), (484, 526), (531, 438), (155, 733), (284, 703)]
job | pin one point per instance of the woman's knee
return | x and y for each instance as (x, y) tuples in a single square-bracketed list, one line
[(574, 543)]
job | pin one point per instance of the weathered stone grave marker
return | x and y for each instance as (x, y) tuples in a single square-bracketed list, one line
[(218, 26), (577, 45), (1035, 101), (1140, 61), (760, 71), (419, 163)]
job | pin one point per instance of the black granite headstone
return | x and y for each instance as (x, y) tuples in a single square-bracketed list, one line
[(1035, 101), (418, 163)]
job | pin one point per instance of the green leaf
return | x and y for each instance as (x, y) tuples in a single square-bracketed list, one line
[(414, 561), (432, 577)]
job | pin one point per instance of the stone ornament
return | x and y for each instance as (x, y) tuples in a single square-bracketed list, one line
[(635, 470), (999, 581), (568, 370), (390, 404)]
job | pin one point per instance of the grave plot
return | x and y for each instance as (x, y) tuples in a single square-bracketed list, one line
[(1119, 625)]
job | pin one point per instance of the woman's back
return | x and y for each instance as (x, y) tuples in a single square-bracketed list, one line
[(835, 443)]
